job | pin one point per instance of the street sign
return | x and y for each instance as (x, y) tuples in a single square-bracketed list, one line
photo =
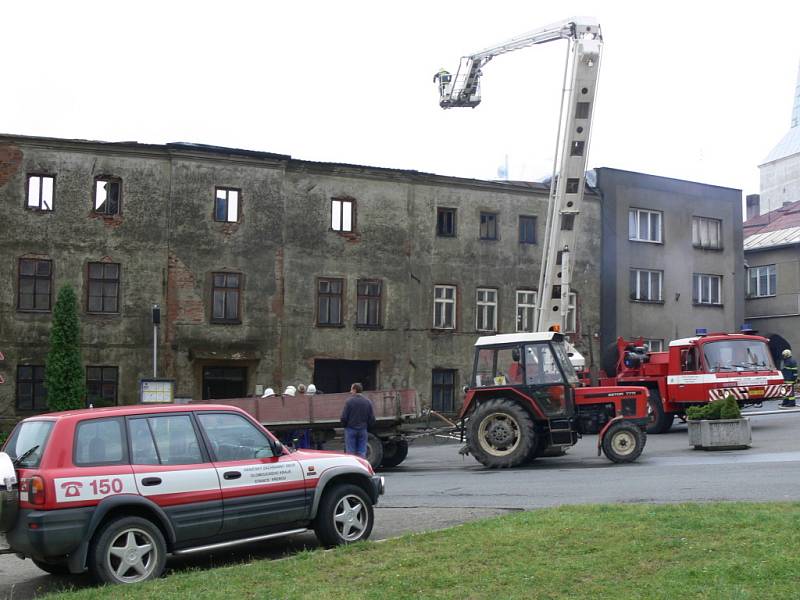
[(156, 390)]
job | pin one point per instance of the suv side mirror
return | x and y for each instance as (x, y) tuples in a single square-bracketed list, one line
[(278, 448)]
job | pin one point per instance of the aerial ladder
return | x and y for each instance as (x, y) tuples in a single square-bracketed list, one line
[(572, 146)]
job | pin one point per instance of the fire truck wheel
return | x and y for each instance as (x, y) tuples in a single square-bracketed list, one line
[(624, 442), (658, 421), (374, 450), (345, 516), (394, 452), (127, 550), (500, 434)]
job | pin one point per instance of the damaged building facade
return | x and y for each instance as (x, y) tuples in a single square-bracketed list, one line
[(269, 271)]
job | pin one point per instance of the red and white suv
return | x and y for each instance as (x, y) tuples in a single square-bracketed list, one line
[(115, 490)]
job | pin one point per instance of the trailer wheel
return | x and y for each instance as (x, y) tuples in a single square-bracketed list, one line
[(624, 442), (500, 434), (658, 421), (394, 452), (374, 450)]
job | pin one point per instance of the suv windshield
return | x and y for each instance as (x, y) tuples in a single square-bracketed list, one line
[(737, 355), (27, 435)]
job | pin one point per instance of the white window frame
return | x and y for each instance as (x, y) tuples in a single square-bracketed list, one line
[(486, 309), (526, 309), (444, 296), (231, 198), (571, 319), (701, 233), (635, 216), (755, 276), (342, 215), (654, 344), (638, 294), (704, 284)]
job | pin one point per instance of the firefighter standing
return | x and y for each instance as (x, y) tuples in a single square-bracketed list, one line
[(789, 371)]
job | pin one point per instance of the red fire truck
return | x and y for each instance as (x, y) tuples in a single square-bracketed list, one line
[(696, 370)]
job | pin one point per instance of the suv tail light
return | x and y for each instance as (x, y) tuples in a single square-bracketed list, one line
[(36, 493)]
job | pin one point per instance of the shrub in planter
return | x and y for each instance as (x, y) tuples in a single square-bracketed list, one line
[(726, 408)]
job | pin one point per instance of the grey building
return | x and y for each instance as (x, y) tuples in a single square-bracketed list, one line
[(671, 257), (772, 254), (269, 270)]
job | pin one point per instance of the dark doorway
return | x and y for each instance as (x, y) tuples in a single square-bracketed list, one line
[(224, 382), (333, 376)]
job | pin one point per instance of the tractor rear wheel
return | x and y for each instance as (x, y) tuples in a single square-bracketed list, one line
[(500, 434), (658, 421), (624, 442)]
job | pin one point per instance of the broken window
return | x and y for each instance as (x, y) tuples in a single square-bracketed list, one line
[(34, 284), (103, 288), (486, 310), (488, 229), (226, 205), (527, 230), (101, 386), (444, 307), (342, 217), (368, 311), (40, 192), (226, 295), (107, 195), (329, 301), (31, 391), (446, 222)]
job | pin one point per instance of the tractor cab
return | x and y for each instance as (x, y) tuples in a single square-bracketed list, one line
[(535, 365)]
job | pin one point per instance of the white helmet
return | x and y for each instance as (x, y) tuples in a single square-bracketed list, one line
[(268, 392), (290, 391), (786, 353), (312, 389)]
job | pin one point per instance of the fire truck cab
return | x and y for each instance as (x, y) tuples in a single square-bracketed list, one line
[(696, 370)]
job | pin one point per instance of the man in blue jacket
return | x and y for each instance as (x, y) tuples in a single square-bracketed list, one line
[(357, 418)]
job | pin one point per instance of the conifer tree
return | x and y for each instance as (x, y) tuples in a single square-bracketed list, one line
[(64, 377)]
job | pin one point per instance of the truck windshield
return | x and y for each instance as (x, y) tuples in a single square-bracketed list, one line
[(27, 435), (566, 363), (737, 355)]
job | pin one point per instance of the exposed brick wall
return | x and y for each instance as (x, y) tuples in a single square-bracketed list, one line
[(10, 160)]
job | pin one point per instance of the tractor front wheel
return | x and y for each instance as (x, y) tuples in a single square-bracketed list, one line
[(500, 434), (624, 442)]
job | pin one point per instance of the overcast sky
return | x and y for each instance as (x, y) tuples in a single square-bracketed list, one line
[(693, 90)]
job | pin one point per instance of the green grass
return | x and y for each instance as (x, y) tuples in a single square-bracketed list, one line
[(728, 550)]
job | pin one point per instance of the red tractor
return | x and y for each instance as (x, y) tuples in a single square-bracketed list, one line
[(694, 371), (525, 401)]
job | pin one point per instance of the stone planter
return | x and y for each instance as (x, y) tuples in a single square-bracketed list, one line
[(722, 434)]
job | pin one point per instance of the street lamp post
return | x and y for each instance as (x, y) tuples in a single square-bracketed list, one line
[(156, 322)]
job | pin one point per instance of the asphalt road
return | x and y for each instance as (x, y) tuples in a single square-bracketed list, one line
[(436, 488)]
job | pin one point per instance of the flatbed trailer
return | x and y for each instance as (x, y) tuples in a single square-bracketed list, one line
[(315, 419)]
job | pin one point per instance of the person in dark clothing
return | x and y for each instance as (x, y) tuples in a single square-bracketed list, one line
[(789, 372), (357, 418)]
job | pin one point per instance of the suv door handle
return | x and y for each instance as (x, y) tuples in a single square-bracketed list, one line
[(231, 475), (151, 481)]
